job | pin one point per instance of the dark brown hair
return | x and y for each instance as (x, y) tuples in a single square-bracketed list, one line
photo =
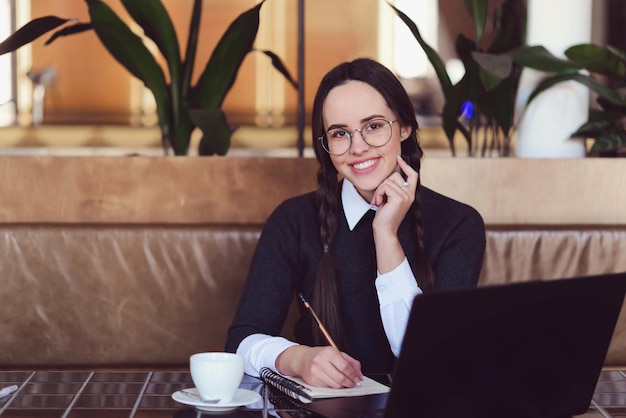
[(325, 297)]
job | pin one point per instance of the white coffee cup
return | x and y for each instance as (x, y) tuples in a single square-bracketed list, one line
[(216, 375)]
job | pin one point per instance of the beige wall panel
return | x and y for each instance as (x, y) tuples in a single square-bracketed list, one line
[(187, 190), (218, 190)]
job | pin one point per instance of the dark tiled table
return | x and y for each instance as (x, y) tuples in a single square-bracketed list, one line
[(142, 394), (610, 393)]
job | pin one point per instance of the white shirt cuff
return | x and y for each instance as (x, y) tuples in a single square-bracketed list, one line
[(396, 291), (398, 284), (261, 350)]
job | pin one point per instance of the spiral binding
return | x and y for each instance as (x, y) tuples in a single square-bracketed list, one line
[(285, 385)]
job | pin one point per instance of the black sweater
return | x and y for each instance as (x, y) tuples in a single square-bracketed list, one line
[(288, 253)]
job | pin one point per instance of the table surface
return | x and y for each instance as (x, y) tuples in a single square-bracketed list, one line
[(134, 393)]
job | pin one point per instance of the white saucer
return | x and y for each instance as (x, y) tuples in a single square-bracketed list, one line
[(242, 397)]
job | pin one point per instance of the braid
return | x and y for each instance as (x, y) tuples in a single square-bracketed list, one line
[(421, 267), (326, 200), (325, 294)]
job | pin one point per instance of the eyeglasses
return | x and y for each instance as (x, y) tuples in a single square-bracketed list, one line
[(375, 133)]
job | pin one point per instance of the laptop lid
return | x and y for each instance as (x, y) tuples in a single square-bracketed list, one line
[(531, 349)]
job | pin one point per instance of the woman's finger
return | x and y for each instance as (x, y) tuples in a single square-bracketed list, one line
[(411, 175), (336, 371)]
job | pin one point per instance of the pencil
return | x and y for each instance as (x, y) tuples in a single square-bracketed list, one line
[(319, 323)]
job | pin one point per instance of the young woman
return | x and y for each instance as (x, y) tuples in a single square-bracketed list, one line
[(361, 247)]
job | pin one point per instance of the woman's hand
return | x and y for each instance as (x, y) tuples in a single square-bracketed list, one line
[(320, 366), (394, 198)]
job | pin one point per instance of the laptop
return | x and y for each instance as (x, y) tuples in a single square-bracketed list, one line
[(530, 349)]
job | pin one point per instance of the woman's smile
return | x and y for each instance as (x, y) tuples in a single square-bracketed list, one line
[(363, 166), (350, 106)]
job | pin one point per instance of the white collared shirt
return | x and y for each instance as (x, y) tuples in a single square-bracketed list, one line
[(354, 206), (396, 291)]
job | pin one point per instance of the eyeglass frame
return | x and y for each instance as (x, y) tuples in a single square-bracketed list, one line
[(351, 132)]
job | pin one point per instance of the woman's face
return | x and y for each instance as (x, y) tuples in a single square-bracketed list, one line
[(349, 106)]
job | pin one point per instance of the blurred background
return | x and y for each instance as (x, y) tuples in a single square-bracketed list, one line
[(82, 96)]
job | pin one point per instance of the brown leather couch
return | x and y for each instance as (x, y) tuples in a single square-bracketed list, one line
[(110, 262)]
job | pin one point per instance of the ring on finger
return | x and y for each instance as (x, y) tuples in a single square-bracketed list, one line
[(404, 184)]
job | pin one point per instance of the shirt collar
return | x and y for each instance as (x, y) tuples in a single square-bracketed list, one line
[(354, 206)]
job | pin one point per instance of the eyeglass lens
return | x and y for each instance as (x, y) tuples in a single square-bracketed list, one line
[(375, 133)]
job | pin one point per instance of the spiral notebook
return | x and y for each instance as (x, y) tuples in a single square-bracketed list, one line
[(297, 389)]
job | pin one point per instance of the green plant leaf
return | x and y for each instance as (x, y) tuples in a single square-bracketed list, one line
[(598, 60), (617, 52), (126, 47), (510, 26), (498, 65), (465, 47), (488, 80), (192, 46), (592, 129), (478, 10), (608, 140), (185, 127), (450, 123), (500, 102), (588, 81), (157, 25), (278, 65), (129, 50), (216, 132), (493, 68), (539, 58), (431, 54), (219, 75), (31, 31), (611, 107), (180, 131), (69, 30), (457, 95)]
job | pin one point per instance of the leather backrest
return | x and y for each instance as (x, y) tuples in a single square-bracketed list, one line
[(153, 295)]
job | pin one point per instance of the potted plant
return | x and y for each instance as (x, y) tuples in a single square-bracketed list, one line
[(181, 106), (604, 74), (482, 104)]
